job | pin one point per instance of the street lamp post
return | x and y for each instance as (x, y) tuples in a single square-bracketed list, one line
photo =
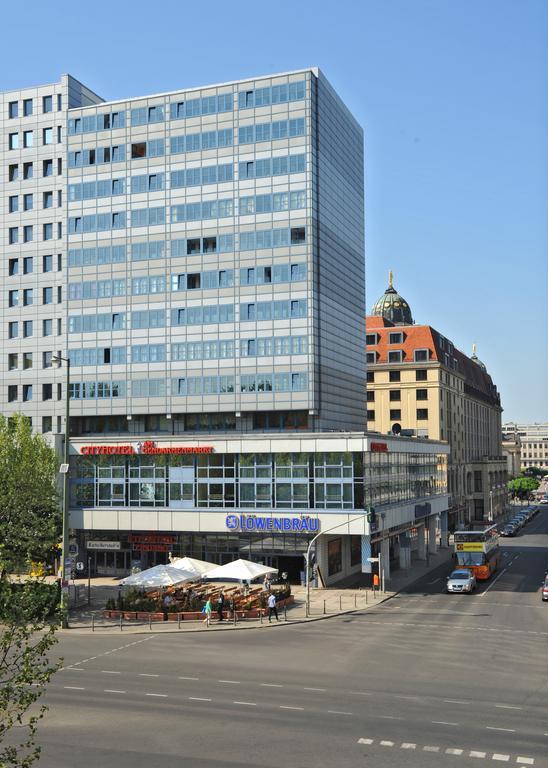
[(491, 506), (307, 555), (57, 359)]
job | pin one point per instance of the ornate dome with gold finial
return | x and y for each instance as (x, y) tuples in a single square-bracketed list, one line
[(476, 359), (392, 306)]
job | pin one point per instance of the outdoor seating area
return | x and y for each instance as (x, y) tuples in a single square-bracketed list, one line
[(174, 592)]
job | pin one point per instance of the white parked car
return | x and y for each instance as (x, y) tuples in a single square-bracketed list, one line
[(461, 580)]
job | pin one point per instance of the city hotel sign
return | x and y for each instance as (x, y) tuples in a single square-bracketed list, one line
[(146, 448), (256, 524)]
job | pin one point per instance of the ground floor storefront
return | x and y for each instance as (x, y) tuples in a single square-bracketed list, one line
[(357, 497)]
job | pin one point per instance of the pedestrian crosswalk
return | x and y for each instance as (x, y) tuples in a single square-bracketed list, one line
[(519, 760)]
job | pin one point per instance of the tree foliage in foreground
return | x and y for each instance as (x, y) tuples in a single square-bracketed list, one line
[(29, 529)]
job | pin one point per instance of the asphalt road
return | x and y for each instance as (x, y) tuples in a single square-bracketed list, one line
[(425, 679)]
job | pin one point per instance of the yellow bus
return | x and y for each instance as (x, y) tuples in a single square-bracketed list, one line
[(478, 550)]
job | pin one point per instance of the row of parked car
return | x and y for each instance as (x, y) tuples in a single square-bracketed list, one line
[(521, 518)]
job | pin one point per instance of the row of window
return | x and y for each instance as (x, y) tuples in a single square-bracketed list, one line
[(156, 249), (395, 395), (279, 129), (25, 265), (25, 234), (395, 414), (180, 109), (421, 374), (26, 296), (27, 360), (27, 328), (25, 139), (28, 106), (28, 169), (26, 202), (27, 391), (398, 355)]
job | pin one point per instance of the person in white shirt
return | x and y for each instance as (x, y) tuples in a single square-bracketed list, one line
[(272, 609)]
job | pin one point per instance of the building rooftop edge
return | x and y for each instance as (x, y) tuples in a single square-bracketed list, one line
[(314, 70)]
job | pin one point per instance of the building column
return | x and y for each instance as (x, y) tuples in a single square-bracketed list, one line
[(405, 551), (421, 540), (385, 555), (432, 543), (444, 529)]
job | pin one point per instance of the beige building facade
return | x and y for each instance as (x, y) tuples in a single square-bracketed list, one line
[(419, 384)]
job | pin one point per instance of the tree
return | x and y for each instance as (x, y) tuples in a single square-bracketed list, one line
[(535, 472), (30, 524), (30, 516), (523, 486)]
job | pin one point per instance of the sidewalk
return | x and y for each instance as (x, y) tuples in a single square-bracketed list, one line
[(324, 603)]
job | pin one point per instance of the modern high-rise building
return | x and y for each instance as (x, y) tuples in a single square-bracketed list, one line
[(198, 255)]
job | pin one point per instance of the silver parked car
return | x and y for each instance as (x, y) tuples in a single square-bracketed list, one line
[(461, 581)]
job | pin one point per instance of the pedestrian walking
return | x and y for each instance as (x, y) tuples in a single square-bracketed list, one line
[(207, 610), (220, 605), (272, 609), (267, 583)]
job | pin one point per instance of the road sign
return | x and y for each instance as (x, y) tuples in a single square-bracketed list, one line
[(79, 566), (68, 562), (73, 549), (372, 559)]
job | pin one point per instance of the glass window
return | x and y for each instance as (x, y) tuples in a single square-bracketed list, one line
[(13, 141), (47, 135), (13, 109), (47, 103), (27, 107), (28, 139)]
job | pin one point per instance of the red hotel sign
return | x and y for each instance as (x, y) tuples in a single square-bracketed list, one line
[(151, 542), (146, 448), (379, 447)]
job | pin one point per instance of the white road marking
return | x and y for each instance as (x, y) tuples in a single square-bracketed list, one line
[(430, 749), (320, 690), (335, 712), (506, 706), (386, 743), (453, 751), (442, 722), (360, 693), (231, 682), (272, 685), (284, 707), (501, 758), (389, 717), (73, 688), (72, 669), (158, 695), (245, 703), (526, 760), (399, 696), (146, 674), (110, 690), (408, 745), (110, 672), (188, 678), (497, 578), (197, 698), (473, 753), (494, 728), (365, 741), (455, 701)]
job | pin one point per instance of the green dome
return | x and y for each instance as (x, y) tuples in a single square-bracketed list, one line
[(393, 307)]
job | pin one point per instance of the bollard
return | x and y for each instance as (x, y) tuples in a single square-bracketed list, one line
[(324, 608), (93, 622), (366, 597), (285, 612), (340, 602), (261, 614), (178, 621), (234, 616), (149, 621), (355, 600), (121, 620)]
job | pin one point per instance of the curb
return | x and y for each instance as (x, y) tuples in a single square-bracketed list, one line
[(229, 628)]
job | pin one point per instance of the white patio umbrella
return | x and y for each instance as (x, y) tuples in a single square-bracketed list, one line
[(199, 567), (240, 570), (159, 576)]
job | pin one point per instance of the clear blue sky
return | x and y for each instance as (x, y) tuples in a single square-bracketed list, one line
[(453, 97)]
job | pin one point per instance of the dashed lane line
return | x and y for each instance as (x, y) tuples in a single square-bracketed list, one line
[(111, 690), (494, 728), (386, 743), (430, 749), (442, 722), (408, 745), (272, 685), (158, 695), (506, 706), (501, 758), (526, 760), (197, 698), (316, 690), (300, 709), (110, 672), (188, 678), (245, 703), (230, 682), (73, 688), (147, 674), (454, 751), (336, 712)]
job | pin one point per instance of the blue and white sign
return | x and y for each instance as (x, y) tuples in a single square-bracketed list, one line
[(256, 523)]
